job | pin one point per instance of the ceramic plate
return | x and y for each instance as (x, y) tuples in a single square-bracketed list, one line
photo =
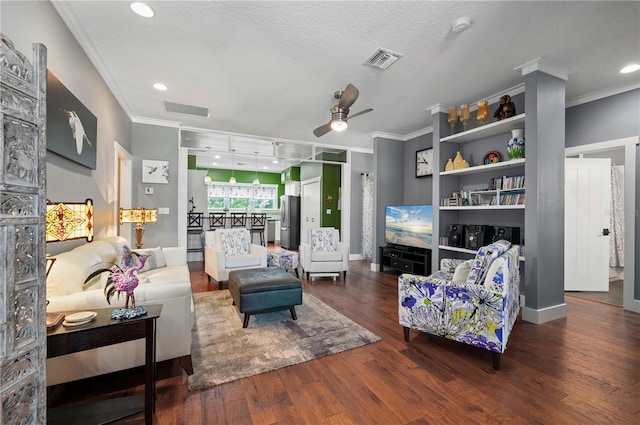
[(84, 322), (82, 316)]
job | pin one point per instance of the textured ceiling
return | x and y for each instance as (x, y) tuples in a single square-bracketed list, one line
[(270, 68)]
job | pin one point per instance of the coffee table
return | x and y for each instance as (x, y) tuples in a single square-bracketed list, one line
[(283, 259)]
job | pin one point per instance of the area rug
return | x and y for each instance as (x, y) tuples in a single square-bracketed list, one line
[(223, 351)]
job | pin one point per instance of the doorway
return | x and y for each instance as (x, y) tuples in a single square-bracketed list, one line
[(621, 152), (122, 183)]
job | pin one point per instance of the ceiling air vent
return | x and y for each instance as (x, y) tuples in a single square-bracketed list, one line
[(382, 58), (186, 109)]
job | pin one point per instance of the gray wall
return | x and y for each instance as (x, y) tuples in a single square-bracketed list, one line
[(417, 191), (389, 184), (360, 163), (26, 23), (159, 144), (611, 118)]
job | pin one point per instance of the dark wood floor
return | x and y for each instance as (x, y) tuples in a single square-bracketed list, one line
[(584, 369)]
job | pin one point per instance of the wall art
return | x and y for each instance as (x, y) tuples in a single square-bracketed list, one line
[(72, 130), (155, 171)]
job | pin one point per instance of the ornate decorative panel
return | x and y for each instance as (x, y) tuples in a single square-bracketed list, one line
[(22, 248)]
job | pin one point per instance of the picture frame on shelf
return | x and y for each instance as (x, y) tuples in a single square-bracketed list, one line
[(424, 162)]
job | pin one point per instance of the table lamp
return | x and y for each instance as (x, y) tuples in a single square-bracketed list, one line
[(138, 216)]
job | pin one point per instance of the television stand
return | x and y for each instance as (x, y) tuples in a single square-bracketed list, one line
[(406, 259)]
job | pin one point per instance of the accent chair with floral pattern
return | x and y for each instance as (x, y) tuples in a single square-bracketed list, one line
[(479, 309), (324, 253), (226, 250)]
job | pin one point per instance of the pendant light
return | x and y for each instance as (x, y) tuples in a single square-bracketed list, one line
[(207, 178), (256, 182), (232, 180)]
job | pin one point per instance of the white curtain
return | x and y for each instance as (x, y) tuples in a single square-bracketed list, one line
[(367, 215), (616, 238)]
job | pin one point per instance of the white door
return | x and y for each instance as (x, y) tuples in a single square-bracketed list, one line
[(586, 223), (310, 207)]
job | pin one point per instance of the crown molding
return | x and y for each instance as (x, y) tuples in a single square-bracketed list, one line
[(542, 65), (154, 121), (591, 97)]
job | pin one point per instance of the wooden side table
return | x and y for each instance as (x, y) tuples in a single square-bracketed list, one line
[(100, 332)]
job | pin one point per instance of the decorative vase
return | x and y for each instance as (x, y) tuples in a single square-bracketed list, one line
[(459, 162), (449, 165), (515, 145), (483, 111), (454, 236)]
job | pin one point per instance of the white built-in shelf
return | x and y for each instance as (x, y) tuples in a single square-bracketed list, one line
[(519, 162), (488, 130), (483, 207), (465, 250)]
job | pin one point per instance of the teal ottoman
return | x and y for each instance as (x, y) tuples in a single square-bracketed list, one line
[(264, 290)]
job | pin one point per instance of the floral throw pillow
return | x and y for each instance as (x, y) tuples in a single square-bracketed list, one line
[(483, 260), (322, 240), (234, 243)]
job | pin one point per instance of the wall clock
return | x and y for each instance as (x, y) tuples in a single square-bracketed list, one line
[(424, 162)]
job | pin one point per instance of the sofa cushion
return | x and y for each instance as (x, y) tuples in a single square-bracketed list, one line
[(155, 258), (322, 240), (322, 256), (462, 271), (165, 275), (234, 243), (483, 260), (242, 260), (70, 270)]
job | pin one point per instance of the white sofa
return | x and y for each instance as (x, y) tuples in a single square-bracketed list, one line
[(169, 286), (226, 250)]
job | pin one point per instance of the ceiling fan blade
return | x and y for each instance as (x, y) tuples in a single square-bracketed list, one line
[(349, 96), (322, 130), (361, 113)]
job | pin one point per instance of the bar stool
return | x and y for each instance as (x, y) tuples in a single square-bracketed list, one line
[(194, 228), (258, 223), (217, 220), (238, 219)]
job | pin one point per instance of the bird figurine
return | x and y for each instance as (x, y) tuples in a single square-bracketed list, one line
[(78, 130), (125, 280)]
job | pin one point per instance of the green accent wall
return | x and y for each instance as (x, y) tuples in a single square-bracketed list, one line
[(242, 176), (331, 183)]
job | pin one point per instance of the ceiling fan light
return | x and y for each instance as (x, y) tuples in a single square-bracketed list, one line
[(338, 125)]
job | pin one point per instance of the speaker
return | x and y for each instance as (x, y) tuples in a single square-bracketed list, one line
[(511, 234), (455, 237), (477, 236)]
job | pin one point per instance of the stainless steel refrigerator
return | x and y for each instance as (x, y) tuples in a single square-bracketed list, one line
[(289, 222)]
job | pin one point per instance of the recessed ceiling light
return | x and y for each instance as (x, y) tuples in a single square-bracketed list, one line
[(265, 168), (160, 86), (275, 161), (216, 156), (461, 24), (141, 9), (630, 68)]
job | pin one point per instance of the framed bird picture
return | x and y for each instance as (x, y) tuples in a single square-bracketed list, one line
[(72, 129), (424, 162), (155, 171)]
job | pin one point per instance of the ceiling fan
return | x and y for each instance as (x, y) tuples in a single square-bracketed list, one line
[(340, 112)]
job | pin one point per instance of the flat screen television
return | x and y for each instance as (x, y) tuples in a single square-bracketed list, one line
[(409, 225)]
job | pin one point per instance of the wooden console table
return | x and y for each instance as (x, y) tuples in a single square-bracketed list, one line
[(100, 332)]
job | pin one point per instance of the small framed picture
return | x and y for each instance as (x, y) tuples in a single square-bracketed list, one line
[(155, 171), (424, 162)]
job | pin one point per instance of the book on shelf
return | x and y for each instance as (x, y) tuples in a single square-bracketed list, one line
[(506, 182)]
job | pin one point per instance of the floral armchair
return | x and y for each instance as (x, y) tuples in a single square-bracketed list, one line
[(478, 309), (324, 253)]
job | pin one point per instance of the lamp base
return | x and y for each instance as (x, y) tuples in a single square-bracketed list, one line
[(139, 231)]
